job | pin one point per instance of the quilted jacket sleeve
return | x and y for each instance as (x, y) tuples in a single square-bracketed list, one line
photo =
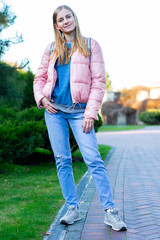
[(41, 77), (98, 82)]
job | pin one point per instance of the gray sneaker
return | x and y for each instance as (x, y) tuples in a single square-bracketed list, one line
[(112, 219), (71, 215)]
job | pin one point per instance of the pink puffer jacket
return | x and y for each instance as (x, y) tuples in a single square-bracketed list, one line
[(87, 79)]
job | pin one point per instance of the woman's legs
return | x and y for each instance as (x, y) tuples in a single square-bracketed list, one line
[(57, 126), (89, 149)]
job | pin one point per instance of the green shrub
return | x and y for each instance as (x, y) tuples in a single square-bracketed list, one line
[(28, 99), (37, 115), (23, 132), (19, 140), (98, 123), (151, 116), (32, 113), (7, 113), (12, 84)]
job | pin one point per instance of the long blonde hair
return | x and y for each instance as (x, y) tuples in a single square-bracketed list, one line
[(61, 47)]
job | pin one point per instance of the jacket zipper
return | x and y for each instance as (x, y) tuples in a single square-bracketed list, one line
[(70, 82), (53, 78)]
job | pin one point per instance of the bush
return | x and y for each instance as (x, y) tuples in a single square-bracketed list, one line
[(32, 113), (151, 116), (22, 133), (12, 84), (7, 113), (19, 140), (98, 123), (28, 99)]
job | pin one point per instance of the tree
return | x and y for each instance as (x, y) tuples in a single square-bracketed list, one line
[(28, 99), (7, 18), (108, 82), (12, 84), (128, 96)]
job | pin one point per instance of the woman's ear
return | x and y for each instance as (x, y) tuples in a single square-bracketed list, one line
[(55, 25)]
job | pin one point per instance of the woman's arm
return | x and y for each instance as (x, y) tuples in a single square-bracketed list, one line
[(41, 77), (98, 84)]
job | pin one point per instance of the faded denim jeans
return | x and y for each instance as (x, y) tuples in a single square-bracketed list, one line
[(58, 130)]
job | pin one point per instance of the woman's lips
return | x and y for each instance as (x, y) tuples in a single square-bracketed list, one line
[(67, 26)]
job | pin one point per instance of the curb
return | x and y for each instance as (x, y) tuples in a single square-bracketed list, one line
[(85, 191)]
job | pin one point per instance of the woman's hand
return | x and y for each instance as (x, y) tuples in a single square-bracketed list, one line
[(87, 124), (48, 105)]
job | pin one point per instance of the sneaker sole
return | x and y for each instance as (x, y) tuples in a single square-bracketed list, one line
[(69, 223), (121, 229)]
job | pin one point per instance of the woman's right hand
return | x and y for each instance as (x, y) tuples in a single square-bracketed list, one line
[(48, 105)]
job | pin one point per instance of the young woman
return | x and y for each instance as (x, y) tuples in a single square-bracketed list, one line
[(70, 86)]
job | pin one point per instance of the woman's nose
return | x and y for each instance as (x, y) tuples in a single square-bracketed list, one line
[(65, 20)]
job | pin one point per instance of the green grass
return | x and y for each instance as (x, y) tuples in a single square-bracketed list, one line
[(108, 128), (31, 197)]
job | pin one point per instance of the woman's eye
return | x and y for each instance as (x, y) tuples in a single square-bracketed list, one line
[(68, 16)]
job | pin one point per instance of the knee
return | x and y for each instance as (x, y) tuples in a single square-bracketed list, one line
[(63, 161), (96, 165)]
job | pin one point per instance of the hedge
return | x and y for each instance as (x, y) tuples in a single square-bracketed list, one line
[(23, 132), (151, 116)]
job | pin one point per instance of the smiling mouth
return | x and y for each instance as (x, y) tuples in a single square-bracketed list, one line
[(67, 26)]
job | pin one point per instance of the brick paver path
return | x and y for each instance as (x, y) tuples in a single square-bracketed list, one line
[(134, 171)]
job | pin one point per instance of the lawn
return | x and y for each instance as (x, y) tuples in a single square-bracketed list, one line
[(107, 128), (31, 197)]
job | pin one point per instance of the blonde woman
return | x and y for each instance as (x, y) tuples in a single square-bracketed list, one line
[(70, 84)]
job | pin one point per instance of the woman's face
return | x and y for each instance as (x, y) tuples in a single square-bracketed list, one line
[(65, 21)]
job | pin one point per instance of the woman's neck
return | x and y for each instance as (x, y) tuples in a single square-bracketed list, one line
[(70, 36)]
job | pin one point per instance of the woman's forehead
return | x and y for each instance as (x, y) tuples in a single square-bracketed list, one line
[(63, 13)]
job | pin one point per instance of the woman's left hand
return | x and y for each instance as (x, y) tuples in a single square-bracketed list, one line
[(87, 124)]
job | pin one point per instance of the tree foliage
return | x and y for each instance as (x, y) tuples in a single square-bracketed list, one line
[(108, 82), (12, 85), (131, 93), (7, 18), (28, 98)]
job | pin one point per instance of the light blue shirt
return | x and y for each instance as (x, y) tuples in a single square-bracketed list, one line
[(62, 93)]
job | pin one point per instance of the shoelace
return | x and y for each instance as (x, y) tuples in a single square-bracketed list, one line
[(69, 212), (117, 218)]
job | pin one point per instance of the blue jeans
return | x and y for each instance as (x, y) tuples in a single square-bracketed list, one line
[(58, 130)]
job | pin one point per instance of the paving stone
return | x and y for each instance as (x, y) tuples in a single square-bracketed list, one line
[(95, 236), (118, 235), (155, 236), (73, 235)]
